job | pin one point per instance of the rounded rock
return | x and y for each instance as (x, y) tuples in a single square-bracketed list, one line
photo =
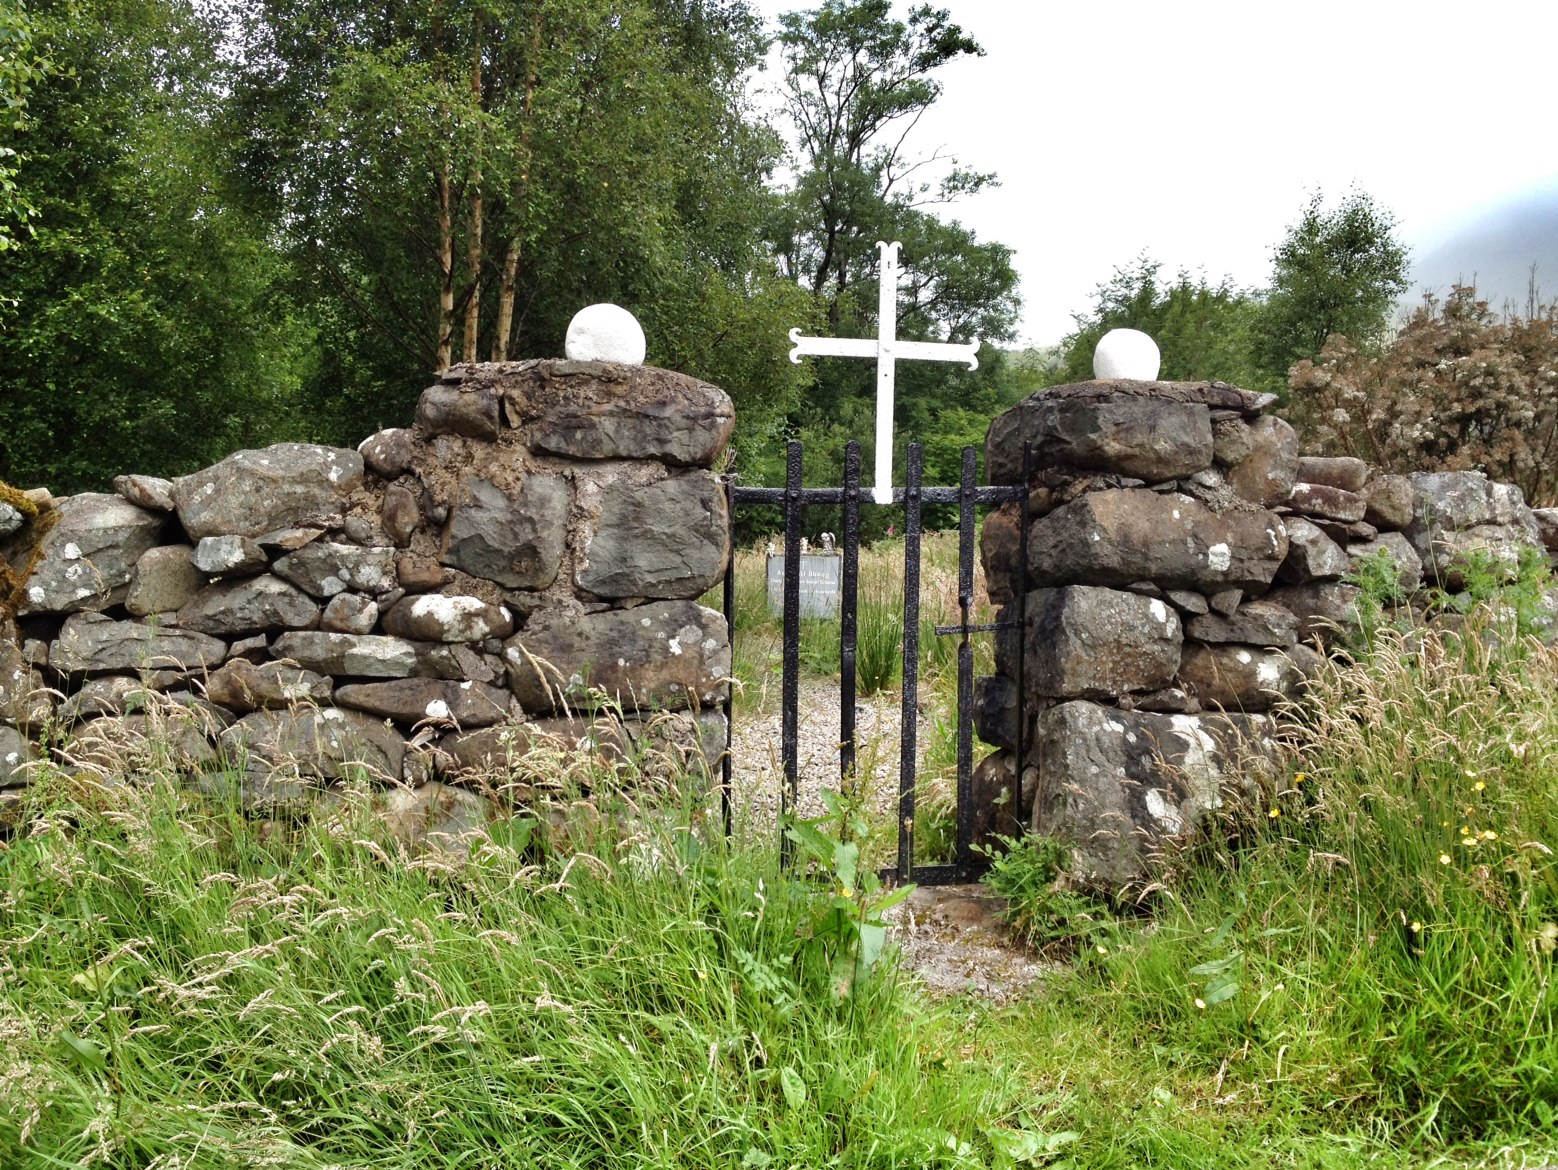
[(1127, 353), (605, 333)]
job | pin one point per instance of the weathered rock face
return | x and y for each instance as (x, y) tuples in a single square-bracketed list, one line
[(324, 568), (1266, 474), (1087, 642), (1339, 471), (327, 743), (515, 539), (253, 492), (1147, 438), (1312, 555), (245, 686), (1462, 515), (666, 655), (1116, 537), (233, 608), (1104, 782), (90, 643), (1231, 677), (664, 540), (85, 560), (438, 617), (415, 700)]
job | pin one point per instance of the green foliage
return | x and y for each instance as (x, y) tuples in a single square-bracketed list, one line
[(1045, 913), (847, 932), (21, 67), (1457, 388), (1205, 332), (150, 331), (1335, 272)]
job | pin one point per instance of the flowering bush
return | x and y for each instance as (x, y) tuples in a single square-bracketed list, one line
[(1459, 388)]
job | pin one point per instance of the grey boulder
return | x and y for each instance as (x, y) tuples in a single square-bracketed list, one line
[(285, 485)]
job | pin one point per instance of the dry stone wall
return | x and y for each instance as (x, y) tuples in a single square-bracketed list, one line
[(1186, 569), (422, 610)]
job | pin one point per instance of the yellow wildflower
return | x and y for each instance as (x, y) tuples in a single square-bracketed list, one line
[(1478, 787), (1464, 830), (1489, 835), (1417, 927), (1274, 813)]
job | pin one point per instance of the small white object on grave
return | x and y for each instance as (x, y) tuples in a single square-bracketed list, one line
[(827, 542), (1127, 353), (605, 333), (805, 546), (886, 349)]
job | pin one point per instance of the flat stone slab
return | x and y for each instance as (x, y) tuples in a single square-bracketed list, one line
[(329, 743), (359, 655), (90, 643), (1255, 623), (1152, 439), (1237, 678), (286, 485), (241, 685), (252, 605), (1312, 555), (415, 700), (1124, 535), (666, 655), (667, 540), (85, 560), (164, 580)]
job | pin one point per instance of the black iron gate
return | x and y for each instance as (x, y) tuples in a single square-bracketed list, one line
[(794, 499)]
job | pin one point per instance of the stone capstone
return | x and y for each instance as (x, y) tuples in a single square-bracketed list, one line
[(90, 643), (328, 743), (282, 486), (513, 538), (1237, 678), (324, 569), (247, 606), (597, 410), (415, 700), (1089, 642), (437, 617), (666, 540), (84, 561), (1120, 536), (241, 685), (1147, 438), (164, 579), (1118, 786), (666, 655)]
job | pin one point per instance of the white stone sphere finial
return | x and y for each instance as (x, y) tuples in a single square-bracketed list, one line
[(605, 333), (1127, 353)]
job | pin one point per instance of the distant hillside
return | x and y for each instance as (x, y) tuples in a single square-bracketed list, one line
[(1497, 250)]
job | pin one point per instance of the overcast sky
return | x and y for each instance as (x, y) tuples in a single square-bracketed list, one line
[(1195, 130)]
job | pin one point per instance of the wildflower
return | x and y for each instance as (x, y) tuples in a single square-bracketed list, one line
[(1201, 1003), (1300, 778), (1274, 813), (1101, 949), (1478, 787), (1470, 773), (1489, 835), (1444, 859), (703, 974), (1417, 927), (1280, 987), (1444, 824), (1464, 830)]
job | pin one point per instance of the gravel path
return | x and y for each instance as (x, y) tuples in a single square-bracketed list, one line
[(757, 769)]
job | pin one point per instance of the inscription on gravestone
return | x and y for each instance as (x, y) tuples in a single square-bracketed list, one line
[(819, 584)]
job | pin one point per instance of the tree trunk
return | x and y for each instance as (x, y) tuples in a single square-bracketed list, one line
[(473, 244), (500, 338), (445, 272)]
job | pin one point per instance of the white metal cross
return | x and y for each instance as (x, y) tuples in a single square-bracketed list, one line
[(886, 349)]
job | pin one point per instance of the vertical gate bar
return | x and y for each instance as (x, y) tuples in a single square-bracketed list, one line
[(908, 723), (1022, 643), (730, 639), (848, 621), (790, 681), (964, 856)]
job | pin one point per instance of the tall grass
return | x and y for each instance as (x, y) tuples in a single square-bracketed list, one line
[(1375, 940), (180, 986)]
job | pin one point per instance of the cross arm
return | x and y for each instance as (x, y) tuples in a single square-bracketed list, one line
[(865, 347), (938, 351)]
